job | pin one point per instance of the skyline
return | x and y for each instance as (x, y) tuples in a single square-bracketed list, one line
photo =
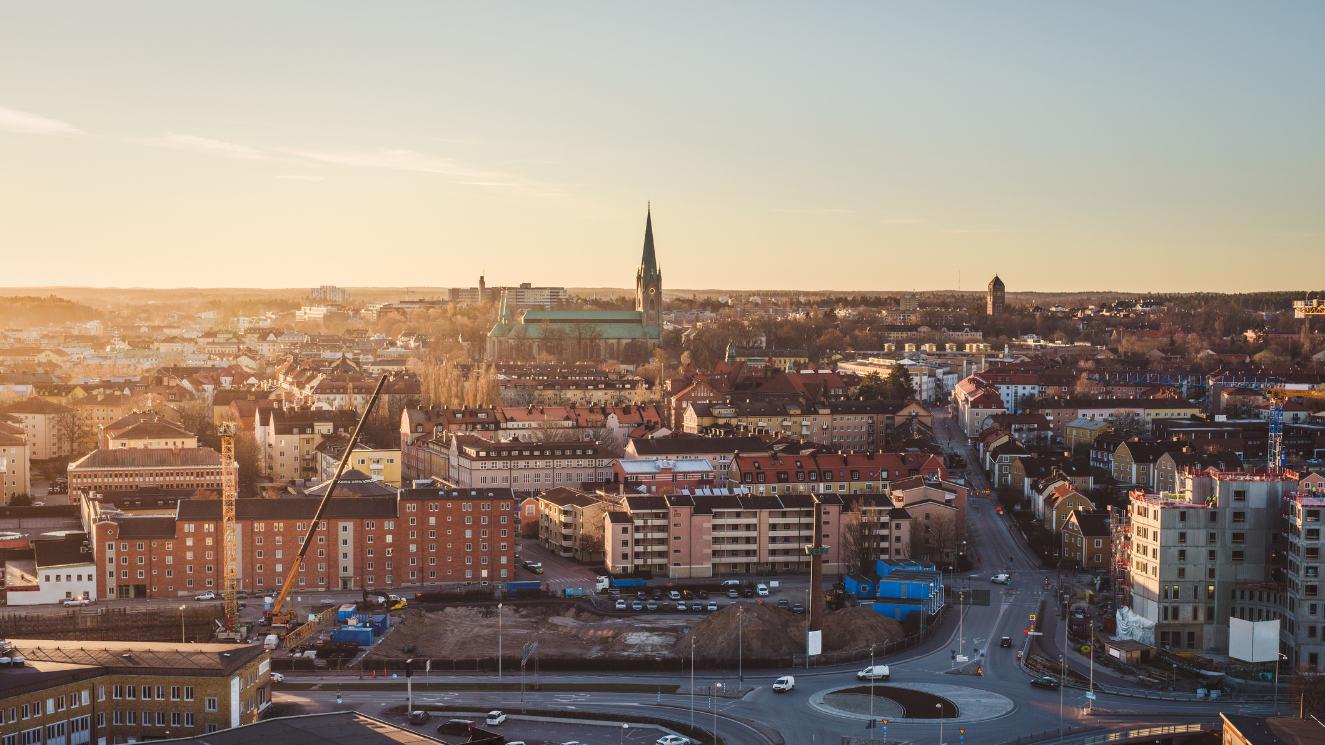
[(823, 149)]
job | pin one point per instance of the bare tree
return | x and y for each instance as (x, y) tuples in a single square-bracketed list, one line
[(862, 544), (935, 540)]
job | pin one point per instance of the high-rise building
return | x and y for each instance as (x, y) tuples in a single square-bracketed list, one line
[(329, 294), (994, 297)]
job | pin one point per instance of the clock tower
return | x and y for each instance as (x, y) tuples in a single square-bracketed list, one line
[(648, 283)]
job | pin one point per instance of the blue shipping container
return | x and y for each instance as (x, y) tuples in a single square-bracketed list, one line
[(345, 613), (361, 635)]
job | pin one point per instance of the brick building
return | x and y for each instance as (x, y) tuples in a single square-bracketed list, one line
[(416, 537), (136, 468)]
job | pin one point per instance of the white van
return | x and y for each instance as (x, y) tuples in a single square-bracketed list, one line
[(1001, 578), (874, 672), (761, 590), (784, 684)]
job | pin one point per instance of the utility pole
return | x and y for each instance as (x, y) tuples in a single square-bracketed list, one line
[(1090, 690), (871, 693), (740, 643), (499, 642), (692, 678)]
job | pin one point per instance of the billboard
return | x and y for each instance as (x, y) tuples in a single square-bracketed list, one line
[(814, 642), (1253, 641)]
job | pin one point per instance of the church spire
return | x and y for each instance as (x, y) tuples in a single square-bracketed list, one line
[(649, 262)]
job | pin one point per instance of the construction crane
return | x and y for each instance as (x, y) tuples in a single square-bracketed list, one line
[(229, 535), (278, 615), (1277, 396)]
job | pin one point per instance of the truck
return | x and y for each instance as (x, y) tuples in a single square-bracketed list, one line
[(620, 583), (526, 587)]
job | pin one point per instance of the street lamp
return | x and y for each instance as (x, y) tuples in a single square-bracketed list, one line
[(940, 709), (1280, 656), (692, 678), (717, 687), (181, 624), (498, 642), (871, 693), (1062, 679), (624, 727), (740, 643)]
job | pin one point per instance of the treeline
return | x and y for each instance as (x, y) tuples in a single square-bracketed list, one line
[(25, 310)]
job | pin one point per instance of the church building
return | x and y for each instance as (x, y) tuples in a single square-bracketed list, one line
[(586, 335)]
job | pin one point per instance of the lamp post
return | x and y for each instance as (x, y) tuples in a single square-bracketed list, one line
[(940, 708), (1280, 656), (871, 693), (624, 727), (740, 643), (716, 688), (692, 679), (1090, 689), (181, 624), (498, 642), (1062, 679)]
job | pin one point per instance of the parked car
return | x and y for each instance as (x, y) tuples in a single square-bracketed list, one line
[(495, 717), (652, 605), (76, 602), (278, 677), (682, 607), (702, 594), (673, 595), (797, 607), (419, 717), (534, 566), (761, 590), (711, 607), (620, 605), (672, 740), (209, 595), (784, 603), (733, 593), (637, 606), (697, 607), (747, 592), (455, 727), (730, 583), (784, 684), (1045, 681), (874, 672), (1005, 641), (1002, 578)]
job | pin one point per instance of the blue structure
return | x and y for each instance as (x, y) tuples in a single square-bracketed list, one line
[(898, 609), (903, 587)]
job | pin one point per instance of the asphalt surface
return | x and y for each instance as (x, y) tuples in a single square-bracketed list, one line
[(795, 716)]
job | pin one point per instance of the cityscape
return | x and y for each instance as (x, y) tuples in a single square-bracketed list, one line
[(342, 397)]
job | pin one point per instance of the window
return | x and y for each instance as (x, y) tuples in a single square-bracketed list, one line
[(210, 703)]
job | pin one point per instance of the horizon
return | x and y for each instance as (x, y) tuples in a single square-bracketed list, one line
[(1151, 148)]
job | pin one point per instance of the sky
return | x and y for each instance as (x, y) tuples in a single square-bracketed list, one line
[(1130, 146)]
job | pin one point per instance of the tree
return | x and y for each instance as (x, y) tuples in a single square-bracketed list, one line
[(872, 387), (73, 433), (860, 540), (246, 458), (935, 539), (899, 385)]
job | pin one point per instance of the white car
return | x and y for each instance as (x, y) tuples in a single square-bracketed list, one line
[(76, 602), (874, 672), (761, 590), (277, 678), (620, 605), (672, 740), (784, 684), (495, 718), (209, 595), (1001, 578)]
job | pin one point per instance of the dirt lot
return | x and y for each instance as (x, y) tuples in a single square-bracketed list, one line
[(464, 632), (569, 632)]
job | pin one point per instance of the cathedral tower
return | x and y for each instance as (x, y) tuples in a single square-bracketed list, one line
[(648, 282)]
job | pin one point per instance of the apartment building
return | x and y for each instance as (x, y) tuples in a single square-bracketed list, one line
[(48, 427), (976, 400), (837, 473), (146, 430), (101, 470), (477, 462), (570, 523), (83, 692), (1191, 550), (724, 532), (287, 440), (15, 462), (379, 463), (718, 451), (418, 536), (846, 425), (660, 475), (1087, 540), (1303, 636)]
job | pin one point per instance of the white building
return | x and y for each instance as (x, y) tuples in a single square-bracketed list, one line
[(62, 568)]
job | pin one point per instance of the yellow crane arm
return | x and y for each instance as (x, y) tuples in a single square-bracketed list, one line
[(293, 573)]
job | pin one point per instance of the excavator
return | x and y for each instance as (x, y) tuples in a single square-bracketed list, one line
[(280, 619)]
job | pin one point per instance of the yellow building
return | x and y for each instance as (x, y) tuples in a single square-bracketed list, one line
[(146, 431), (382, 464)]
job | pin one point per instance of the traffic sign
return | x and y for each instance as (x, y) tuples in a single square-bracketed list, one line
[(1032, 617), (1034, 633)]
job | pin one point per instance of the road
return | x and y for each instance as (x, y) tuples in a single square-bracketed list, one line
[(802, 719)]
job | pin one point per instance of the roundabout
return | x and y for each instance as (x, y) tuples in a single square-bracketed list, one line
[(913, 703)]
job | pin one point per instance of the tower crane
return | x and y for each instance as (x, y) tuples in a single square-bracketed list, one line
[(229, 535), (278, 615), (1277, 396)]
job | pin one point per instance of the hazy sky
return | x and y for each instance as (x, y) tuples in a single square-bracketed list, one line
[(1127, 146)]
